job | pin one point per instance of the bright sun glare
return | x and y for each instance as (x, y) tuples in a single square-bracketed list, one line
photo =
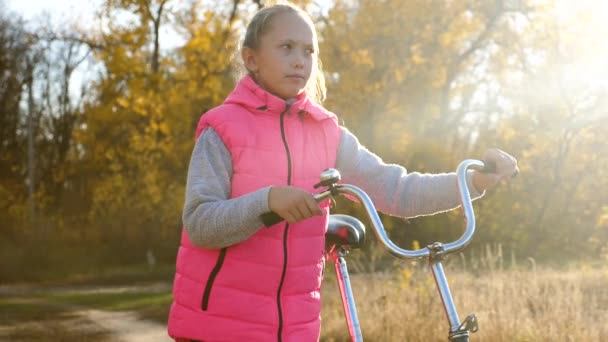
[(585, 25)]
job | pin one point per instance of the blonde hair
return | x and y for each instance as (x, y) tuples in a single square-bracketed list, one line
[(260, 24)]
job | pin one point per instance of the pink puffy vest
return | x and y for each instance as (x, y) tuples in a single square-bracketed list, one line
[(266, 288)]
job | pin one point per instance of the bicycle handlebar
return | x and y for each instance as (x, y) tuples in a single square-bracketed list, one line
[(465, 199)]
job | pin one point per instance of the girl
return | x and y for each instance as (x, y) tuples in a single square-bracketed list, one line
[(262, 150)]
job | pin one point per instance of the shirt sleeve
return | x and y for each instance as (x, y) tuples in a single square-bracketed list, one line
[(211, 218), (393, 190)]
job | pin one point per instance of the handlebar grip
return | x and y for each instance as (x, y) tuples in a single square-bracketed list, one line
[(488, 167), (270, 218)]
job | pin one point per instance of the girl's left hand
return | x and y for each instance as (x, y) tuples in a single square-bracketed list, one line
[(506, 168)]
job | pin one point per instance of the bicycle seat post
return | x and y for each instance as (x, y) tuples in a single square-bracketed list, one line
[(343, 233), (337, 255)]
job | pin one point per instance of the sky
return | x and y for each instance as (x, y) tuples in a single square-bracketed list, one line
[(59, 9), (586, 19), (79, 13)]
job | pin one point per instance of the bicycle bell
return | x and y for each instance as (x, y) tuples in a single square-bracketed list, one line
[(328, 177)]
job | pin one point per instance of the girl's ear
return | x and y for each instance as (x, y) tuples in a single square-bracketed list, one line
[(249, 59)]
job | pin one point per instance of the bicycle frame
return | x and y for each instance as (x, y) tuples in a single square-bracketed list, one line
[(435, 253)]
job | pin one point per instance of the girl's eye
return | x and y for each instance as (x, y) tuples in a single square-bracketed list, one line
[(286, 46), (310, 51)]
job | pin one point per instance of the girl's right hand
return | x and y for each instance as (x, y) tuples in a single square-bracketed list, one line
[(293, 204)]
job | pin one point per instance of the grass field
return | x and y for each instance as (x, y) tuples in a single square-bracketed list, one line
[(541, 305), (511, 305)]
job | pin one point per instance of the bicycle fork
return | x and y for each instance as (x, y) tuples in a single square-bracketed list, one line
[(459, 332), (337, 256)]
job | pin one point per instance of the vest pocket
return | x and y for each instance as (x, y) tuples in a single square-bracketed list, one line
[(211, 279)]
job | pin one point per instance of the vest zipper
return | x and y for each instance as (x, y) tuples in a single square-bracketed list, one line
[(211, 279), (280, 330)]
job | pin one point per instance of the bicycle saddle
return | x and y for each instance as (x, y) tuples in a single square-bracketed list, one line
[(345, 230)]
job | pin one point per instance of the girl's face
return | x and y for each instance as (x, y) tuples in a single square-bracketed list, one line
[(283, 61)]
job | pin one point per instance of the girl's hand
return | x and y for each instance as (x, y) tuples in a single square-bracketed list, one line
[(506, 168), (293, 204)]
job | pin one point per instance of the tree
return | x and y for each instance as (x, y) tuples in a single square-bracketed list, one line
[(14, 75)]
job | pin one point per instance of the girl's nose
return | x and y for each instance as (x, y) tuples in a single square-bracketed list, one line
[(298, 62)]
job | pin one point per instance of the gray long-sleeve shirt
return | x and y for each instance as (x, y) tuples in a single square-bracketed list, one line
[(214, 220)]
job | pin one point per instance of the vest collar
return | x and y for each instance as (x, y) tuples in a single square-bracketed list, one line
[(249, 94)]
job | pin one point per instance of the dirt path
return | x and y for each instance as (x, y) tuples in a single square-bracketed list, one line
[(119, 326), (125, 326)]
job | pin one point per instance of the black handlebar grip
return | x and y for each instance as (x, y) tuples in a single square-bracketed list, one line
[(488, 167), (270, 218)]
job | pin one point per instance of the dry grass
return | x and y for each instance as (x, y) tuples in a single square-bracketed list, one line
[(511, 305), (522, 303)]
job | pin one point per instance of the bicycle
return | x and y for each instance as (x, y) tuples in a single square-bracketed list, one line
[(347, 232)]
